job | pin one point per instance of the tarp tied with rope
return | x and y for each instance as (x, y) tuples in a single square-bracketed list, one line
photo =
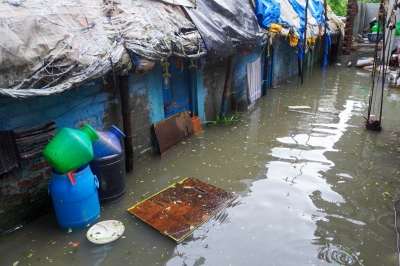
[(47, 47)]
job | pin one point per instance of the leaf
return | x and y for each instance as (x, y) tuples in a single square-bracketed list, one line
[(15, 263)]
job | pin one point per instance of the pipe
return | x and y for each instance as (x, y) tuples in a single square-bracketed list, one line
[(228, 82), (126, 120), (304, 41)]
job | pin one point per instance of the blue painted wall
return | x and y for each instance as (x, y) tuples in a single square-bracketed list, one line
[(239, 90), (73, 108), (285, 60)]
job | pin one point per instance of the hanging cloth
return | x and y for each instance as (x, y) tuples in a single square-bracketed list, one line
[(253, 81)]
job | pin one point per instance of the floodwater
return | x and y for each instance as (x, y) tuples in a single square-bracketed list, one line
[(314, 188)]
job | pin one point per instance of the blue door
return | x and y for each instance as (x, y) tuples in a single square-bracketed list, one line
[(175, 86)]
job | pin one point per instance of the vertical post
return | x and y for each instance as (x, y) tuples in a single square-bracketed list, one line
[(304, 41), (324, 39), (228, 82), (127, 120)]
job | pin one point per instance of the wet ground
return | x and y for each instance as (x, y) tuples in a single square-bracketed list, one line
[(314, 188)]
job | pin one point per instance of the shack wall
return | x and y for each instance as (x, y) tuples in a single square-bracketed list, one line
[(285, 60)]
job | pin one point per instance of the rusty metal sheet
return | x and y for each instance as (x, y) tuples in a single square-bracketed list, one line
[(172, 130), (182, 207)]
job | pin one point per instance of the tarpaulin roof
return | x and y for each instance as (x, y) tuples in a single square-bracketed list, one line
[(336, 25), (47, 47), (291, 13), (226, 25)]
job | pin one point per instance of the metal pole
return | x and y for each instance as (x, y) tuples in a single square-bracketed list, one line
[(304, 41), (324, 41)]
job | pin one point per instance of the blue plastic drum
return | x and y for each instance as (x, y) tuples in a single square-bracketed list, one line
[(77, 205)]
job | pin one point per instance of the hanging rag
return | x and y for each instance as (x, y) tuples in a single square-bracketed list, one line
[(9, 156)]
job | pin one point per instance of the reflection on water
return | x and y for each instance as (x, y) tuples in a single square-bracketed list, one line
[(316, 182), (314, 187)]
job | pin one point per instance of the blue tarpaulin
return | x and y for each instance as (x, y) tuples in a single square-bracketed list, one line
[(328, 43), (267, 11)]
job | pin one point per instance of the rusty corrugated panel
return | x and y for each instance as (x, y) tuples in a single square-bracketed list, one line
[(172, 130), (182, 207)]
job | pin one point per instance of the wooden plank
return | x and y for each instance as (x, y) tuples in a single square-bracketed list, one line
[(299, 107)]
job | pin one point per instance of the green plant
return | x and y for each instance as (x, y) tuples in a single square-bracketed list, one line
[(221, 119), (339, 7)]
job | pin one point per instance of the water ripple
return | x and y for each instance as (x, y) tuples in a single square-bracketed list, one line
[(340, 255)]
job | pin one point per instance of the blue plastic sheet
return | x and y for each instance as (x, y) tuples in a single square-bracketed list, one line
[(267, 12), (316, 9), (328, 43)]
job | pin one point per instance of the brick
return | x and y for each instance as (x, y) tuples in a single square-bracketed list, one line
[(38, 166), (24, 184), (38, 179), (48, 172)]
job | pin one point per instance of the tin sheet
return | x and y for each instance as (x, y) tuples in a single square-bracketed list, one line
[(172, 130), (182, 207)]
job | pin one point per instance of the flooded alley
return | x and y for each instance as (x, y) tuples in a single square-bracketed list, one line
[(314, 188)]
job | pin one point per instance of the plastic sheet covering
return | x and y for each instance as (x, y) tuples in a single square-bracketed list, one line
[(47, 47), (290, 14), (267, 11), (335, 24), (155, 30), (328, 43), (191, 3), (227, 25)]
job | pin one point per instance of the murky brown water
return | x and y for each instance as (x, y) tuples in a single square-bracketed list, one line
[(315, 188)]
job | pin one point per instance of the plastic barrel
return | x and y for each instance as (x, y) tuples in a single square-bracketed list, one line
[(77, 205), (110, 170)]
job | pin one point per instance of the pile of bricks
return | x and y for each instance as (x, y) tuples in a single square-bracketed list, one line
[(352, 9), (196, 122)]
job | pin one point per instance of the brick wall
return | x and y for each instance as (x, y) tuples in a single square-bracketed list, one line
[(352, 9)]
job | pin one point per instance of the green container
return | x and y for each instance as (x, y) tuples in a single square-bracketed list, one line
[(375, 28), (397, 30), (70, 148)]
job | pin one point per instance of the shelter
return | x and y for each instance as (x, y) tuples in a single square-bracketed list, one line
[(49, 47)]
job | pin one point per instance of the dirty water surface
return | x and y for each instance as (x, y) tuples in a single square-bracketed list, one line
[(314, 188)]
